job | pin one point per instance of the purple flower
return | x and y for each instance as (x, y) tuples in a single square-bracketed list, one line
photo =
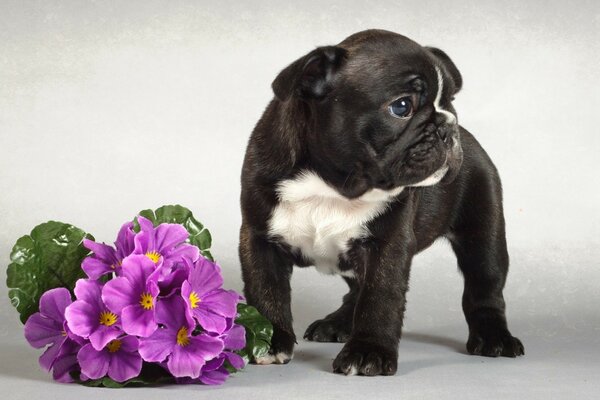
[(66, 362), (214, 371), (106, 259), (119, 359), (209, 303), (48, 327), (185, 354), (88, 317), (133, 295), (164, 243)]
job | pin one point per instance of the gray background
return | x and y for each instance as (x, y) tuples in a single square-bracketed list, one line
[(107, 108)]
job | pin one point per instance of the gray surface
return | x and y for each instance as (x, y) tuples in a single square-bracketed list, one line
[(109, 108)]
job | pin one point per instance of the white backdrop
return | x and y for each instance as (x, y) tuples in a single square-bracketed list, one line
[(107, 108)]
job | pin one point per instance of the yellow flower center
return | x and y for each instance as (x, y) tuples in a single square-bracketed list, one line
[(113, 266), (194, 299), (114, 345), (146, 301), (63, 333), (182, 337), (108, 318), (153, 255)]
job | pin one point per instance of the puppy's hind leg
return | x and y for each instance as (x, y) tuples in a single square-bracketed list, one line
[(336, 327)]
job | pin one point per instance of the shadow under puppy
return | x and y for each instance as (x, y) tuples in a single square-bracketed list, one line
[(356, 165)]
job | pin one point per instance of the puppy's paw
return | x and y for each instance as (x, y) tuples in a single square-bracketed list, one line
[(364, 358), (328, 330), (494, 345), (282, 349), (270, 358)]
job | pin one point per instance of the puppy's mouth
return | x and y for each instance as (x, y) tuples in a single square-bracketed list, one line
[(435, 158), (431, 159)]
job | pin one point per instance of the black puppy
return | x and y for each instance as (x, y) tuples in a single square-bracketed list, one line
[(358, 164)]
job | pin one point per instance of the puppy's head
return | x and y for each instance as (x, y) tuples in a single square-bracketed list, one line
[(380, 112)]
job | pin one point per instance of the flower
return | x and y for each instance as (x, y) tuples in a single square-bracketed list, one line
[(107, 259), (66, 362), (234, 339), (208, 302), (119, 359), (214, 372), (133, 295), (164, 245), (185, 354), (48, 327), (88, 317)]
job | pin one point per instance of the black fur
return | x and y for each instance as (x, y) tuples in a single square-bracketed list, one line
[(329, 116)]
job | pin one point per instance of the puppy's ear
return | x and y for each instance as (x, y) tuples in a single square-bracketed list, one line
[(448, 66), (311, 75)]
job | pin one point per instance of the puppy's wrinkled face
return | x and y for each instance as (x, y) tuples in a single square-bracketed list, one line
[(382, 113)]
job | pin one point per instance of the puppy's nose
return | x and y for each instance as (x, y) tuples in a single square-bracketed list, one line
[(442, 132), (440, 119)]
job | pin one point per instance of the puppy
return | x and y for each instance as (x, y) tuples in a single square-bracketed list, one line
[(356, 165)]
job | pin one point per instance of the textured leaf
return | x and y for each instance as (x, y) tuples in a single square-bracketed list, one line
[(199, 235), (49, 257), (259, 332)]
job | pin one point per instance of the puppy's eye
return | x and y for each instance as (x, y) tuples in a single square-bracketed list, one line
[(402, 107)]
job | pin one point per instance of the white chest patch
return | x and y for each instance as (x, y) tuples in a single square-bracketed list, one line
[(316, 220)]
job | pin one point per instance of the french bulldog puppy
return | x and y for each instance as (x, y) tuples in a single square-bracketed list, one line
[(358, 164)]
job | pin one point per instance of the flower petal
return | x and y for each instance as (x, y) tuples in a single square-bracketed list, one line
[(138, 321), (174, 280), (216, 377), (47, 359), (104, 334), (205, 276), (222, 302), (185, 361), (142, 242), (129, 344), (158, 346), (124, 242), (53, 303), (208, 346), (210, 321), (172, 312), (235, 338), (41, 331), (95, 268), (183, 251), (82, 318), (137, 268), (119, 293), (94, 363), (124, 365), (88, 290), (102, 251), (63, 366), (235, 359), (167, 236), (66, 361), (145, 224)]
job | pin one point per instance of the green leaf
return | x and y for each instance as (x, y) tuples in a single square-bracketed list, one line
[(49, 257), (150, 375), (199, 235), (259, 332)]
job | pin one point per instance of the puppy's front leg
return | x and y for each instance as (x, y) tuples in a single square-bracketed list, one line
[(266, 271), (373, 345)]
